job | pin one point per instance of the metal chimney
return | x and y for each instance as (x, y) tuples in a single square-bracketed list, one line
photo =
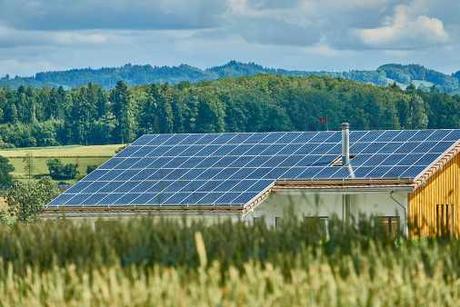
[(345, 144), (346, 149)]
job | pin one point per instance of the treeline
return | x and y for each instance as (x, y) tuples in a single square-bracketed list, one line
[(92, 115)]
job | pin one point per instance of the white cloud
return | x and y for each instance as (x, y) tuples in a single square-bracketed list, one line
[(405, 31), (12, 38), (113, 14), (303, 34)]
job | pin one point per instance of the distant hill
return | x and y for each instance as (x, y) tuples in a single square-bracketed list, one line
[(403, 75)]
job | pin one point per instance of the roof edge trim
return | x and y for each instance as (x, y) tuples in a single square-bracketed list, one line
[(437, 165), (325, 184), (75, 209)]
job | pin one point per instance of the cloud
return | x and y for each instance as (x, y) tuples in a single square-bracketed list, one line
[(267, 31), (12, 38), (114, 14), (303, 34), (304, 23), (405, 31)]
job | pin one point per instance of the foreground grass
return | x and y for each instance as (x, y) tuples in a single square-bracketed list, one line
[(81, 155), (165, 263), (256, 285)]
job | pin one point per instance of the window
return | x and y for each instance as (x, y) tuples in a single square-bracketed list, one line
[(388, 224), (444, 219), (277, 221), (317, 225)]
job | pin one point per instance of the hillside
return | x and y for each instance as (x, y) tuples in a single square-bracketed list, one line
[(403, 75)]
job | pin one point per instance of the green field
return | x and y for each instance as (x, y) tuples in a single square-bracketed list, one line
[(142, 262), (81, 155)]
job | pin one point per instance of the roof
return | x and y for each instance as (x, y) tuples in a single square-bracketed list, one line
[(235, 169)]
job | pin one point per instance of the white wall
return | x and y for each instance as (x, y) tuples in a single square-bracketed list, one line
[(313, 203)]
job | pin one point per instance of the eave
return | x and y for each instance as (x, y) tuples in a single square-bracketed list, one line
[(88, 211)]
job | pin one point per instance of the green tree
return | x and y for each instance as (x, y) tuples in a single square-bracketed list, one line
[(6, 180), (60, 171), (418, 113), (123, 110), (82, 115), (156, 114), (28, 165), (27, 199), (11, 114), (210, 114)]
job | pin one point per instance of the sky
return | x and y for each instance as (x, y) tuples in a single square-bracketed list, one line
[(334, 35)]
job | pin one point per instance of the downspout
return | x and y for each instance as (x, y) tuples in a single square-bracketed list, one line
[(406, 227)]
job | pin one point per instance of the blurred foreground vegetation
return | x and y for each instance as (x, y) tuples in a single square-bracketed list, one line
[(138, 262)]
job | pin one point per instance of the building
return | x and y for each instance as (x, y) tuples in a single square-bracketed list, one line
[(398, 177)]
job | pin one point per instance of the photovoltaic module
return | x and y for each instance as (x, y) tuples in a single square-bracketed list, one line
[(233, 168)]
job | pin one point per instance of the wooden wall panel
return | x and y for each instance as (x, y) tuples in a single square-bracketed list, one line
[(443, 188)]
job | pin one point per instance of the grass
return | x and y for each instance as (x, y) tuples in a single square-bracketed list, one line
[(81, 155), (146, 262)]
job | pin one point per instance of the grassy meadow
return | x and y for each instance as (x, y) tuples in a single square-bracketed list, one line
[(146, 262), (81, 155)]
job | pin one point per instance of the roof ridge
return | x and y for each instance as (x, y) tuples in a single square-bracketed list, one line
[(297, 131)]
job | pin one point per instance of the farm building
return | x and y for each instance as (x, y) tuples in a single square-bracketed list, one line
[(400, 178)]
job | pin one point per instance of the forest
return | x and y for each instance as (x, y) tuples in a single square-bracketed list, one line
[(90, 114), (403, 75)]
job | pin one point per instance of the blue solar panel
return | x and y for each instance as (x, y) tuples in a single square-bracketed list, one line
[(233, 168), (144, 199)]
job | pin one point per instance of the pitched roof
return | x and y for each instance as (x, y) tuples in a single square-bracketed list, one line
[(234, 169)]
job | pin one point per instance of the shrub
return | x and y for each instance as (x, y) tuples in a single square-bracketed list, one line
[(60, 171), (26, 199), (90, 168), (6, 168)]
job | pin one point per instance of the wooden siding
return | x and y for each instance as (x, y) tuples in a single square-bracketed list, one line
[(428, 213)]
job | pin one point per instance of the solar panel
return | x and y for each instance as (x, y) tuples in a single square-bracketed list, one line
[(233, 168)]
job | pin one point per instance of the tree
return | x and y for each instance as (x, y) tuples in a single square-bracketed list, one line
[(6, 180), (54, 106), (82, 115), (210, 114), (156, 115), (26, 199), (28, 165), (11, 114), (418, 114), (90, 114), (90, 168), (123, 110), (60, 171)]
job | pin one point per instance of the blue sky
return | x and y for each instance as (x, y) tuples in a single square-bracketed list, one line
[(38, 35)]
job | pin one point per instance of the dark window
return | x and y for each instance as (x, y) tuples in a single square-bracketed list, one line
[(317, 225), (389, 225), (277, 221)]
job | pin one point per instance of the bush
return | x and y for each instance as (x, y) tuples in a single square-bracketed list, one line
[(60, 171), (6, 168), (26, 199), (90, 168)]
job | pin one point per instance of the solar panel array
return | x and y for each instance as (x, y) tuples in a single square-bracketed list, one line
[(233, 168)]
